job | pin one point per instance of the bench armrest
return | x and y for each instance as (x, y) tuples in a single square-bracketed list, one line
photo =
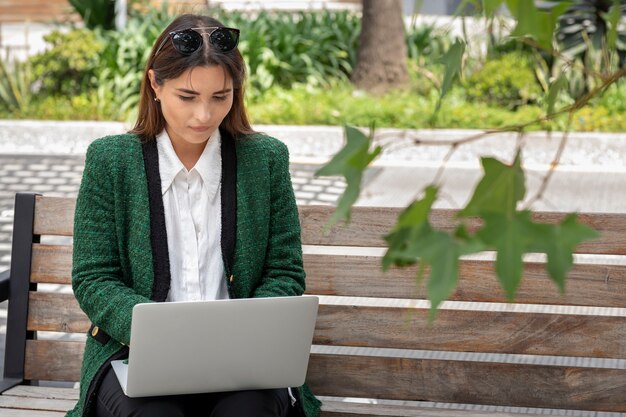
[(4, 285), (8, 383)]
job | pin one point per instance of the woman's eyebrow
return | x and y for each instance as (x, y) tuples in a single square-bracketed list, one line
[(187, 91)]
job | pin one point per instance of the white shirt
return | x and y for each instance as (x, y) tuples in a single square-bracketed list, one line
[(193, 221), (192, 204)]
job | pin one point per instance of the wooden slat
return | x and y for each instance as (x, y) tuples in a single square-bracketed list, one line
[(472, 331), (29, 413), (54, 216), (339, 408), (53, 360), (468, 382), (51, 264), (367, 226), (35, 391), (56, 312), (386, 327), (370, 224), (362, 276), (41, 404), (544, 334)]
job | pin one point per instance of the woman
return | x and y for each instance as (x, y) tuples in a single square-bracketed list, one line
[(191, 204)]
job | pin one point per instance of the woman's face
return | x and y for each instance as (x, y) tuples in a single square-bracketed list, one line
[(194, 104)]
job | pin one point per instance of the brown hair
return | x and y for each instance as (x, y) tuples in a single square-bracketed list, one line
[(169, 64)]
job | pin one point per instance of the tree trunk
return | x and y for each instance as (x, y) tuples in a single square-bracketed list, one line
[(382, 56)]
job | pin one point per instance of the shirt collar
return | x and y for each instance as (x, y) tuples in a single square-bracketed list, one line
[(209, 165)]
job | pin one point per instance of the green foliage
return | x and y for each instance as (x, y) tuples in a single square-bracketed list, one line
[(70, 66), (452, 61), (536, 23), (408, 109), (310, 47), (15, 80), (123, 60), (85, 106), (426, 44), (506, 229), (591, 41), (96, 13), (592, 25), (413, 238), (283, 48), (508, 81), (350, 162)]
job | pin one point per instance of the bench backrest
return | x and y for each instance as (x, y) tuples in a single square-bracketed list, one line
[(372, 338)]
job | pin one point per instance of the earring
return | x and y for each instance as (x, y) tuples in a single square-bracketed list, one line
[(157, 100)]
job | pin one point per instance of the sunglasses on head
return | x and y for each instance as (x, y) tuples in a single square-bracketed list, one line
[(188, 41)]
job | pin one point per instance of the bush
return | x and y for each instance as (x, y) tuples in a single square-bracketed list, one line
[(283, 48), (70, 66), (508, 81), (85, 106), (124, 58)]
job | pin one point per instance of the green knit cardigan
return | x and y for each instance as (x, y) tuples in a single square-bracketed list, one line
[(113, 265)]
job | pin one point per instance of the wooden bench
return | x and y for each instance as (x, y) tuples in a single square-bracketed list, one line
[(374, 352)]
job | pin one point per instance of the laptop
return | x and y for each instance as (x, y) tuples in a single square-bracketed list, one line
[(216, 346)]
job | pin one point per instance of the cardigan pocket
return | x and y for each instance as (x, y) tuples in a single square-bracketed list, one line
[(98, 335)]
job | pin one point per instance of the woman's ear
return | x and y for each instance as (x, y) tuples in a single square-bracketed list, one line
[(155, 87)]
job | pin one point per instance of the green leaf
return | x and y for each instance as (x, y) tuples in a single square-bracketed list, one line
[(404, 239), (452, 60), (413, 239), (443, 257), (350, 162), (558, 243), (500, 189), (417, 212), (534, 23), (508, 235), (558, 85), (468, 243), (613, 18), (491, 7)]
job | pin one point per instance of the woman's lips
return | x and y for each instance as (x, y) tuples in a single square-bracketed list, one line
[(200, 129)]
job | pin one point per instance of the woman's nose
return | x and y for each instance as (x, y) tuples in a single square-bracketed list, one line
[(203, 112)]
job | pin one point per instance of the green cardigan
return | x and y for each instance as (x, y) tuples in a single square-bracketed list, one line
[(118, 228)]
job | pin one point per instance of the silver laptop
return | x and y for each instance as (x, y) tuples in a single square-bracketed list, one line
[(217, 346)]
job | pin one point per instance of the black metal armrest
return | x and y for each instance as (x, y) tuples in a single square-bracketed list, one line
[(8, 383), (4, 285)]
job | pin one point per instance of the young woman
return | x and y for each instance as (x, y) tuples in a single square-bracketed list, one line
[(192, 204)]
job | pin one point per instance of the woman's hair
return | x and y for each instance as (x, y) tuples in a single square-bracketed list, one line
[(169, 64)]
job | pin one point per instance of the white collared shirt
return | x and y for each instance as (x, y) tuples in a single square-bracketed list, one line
[(193, 221)]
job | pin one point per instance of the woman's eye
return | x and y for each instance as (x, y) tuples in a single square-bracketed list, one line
[(219, 98), (186, 98)]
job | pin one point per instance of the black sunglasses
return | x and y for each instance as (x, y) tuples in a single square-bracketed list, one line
[(188, 41)]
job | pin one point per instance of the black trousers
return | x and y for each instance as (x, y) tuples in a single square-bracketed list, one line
[(112, 402)]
